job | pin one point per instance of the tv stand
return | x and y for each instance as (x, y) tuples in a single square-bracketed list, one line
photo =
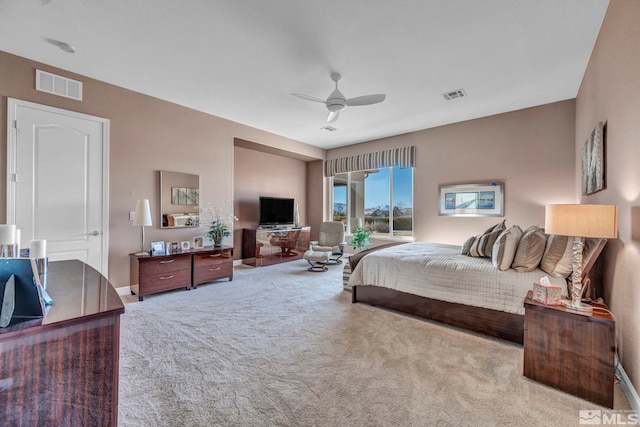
[(267, 246)]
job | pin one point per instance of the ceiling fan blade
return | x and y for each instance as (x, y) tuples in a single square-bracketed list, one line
[(308, 97), (365, 100), (333, 116)]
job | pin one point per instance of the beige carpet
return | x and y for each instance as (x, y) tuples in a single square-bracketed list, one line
[(280, 346)]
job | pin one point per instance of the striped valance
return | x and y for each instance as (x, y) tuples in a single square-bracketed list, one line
[(403, 157)]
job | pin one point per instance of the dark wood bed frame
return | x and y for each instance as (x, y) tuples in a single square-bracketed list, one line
[(495, 323)]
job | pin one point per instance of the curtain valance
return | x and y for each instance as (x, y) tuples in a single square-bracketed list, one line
[(403, 157)]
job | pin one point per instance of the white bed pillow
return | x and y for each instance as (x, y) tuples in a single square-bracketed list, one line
[(504, 248), (530, 249)]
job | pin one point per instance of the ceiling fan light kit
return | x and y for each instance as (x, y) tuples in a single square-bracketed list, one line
[(336, 102)]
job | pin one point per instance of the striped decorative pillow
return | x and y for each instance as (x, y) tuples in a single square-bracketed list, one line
[(504, 249), (483, 245)]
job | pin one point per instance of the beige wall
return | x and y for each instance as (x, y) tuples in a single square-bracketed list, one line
[(146, 135), (610, 92), (531, 151), (262, 174)]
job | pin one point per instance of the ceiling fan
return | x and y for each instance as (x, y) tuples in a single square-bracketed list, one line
[(336, 101)]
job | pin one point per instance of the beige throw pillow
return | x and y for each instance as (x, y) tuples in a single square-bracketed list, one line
[(505, 247), (483, 245), (467, 245), (557, 260), (530, 249)]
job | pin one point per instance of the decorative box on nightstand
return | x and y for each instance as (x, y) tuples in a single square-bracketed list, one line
[(569, 350)]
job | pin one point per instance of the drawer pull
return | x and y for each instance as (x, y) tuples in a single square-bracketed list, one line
[(167, 278), (214, 269), (215, 255), (6, 384), (167, 262)]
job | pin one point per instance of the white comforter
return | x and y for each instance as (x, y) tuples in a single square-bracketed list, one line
[(438, 271)]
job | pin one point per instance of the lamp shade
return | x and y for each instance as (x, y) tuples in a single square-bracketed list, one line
[(598, 221), (142, 216)]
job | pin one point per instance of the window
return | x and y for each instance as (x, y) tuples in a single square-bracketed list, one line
[(381, 200)]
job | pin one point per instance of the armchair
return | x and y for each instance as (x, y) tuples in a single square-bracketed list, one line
[(329, 248)]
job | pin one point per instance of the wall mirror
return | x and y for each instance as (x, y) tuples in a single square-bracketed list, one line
[(179, 200)]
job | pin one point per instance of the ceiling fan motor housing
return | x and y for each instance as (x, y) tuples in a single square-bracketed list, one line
[(336, 101)]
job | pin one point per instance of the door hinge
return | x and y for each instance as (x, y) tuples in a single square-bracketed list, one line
[(15, 177), (15, 124)]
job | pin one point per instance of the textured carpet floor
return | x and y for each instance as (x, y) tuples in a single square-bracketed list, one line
[(280, 346)]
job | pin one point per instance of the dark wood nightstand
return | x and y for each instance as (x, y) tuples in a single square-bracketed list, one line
[(569, 350)]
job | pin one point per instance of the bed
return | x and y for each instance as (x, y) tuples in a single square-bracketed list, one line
[(437, 282)]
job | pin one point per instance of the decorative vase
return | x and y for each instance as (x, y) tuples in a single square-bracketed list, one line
[(296, 217), (217, 241)]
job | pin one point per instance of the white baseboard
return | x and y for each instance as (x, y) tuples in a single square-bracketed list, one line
[(237, 262), (123, 290), (627, 387)]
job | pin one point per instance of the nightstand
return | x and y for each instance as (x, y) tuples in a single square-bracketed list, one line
[(570, 351)]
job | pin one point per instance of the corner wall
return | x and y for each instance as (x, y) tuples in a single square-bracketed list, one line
[(610, 92)]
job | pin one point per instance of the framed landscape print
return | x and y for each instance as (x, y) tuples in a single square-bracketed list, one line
[(485, 199)]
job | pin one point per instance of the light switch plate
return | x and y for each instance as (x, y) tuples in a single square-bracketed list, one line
[(132, 215)]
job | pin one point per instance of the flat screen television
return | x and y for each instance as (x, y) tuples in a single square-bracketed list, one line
[(275, 211)]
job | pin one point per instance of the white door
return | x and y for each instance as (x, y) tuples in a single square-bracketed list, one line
[(57, 181)]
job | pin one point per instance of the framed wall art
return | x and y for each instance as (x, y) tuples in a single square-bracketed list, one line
[(592, 153), (486, 199)]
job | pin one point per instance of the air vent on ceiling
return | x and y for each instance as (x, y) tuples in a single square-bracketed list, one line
[(58, 85), (459, 93), (329, 129)]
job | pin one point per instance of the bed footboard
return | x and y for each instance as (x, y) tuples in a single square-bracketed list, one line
[(495, 323)]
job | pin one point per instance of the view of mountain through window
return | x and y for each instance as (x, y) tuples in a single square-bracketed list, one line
[(381, 200)]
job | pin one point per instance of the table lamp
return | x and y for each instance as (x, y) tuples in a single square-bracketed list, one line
[(579, 221), (142, 218)]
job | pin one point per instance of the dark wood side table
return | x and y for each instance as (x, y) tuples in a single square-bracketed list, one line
[(569, 350)]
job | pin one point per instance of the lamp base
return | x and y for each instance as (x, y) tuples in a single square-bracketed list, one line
[(577, 306)]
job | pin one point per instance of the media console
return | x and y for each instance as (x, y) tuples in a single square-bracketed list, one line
[(261, 247)]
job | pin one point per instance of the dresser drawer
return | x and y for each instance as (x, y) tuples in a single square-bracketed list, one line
[(216, 258), (151, 283), (212, 272), (164, 265)]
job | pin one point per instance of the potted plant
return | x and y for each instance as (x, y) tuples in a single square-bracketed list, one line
[(359, 237), (218, 230), (219, 220)]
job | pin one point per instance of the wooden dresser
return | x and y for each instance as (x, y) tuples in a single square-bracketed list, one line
[(187, 269), (62, 370), (571, 351), (262, 247)]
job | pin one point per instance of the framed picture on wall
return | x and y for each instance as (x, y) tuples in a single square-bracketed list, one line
[(592, 153), (486, 199)]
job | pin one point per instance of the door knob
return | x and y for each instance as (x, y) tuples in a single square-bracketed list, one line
[(95, 233)]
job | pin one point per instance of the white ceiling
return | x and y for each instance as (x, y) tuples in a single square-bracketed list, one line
[(241, 59)]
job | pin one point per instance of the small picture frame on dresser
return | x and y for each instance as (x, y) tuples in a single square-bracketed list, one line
[(173, 247), (185, 246), (157, 248), (198, 242)]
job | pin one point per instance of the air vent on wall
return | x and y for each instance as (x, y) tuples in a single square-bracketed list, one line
[(459, 93), (58, 85)]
